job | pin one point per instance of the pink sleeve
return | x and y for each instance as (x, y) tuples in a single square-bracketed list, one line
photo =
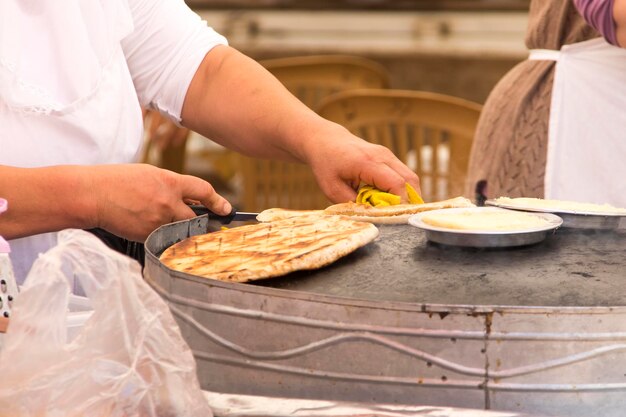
[(599, 15), (164, 51)]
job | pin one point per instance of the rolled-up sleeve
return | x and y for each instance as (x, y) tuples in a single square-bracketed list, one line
[(164, 51), (599, 15)]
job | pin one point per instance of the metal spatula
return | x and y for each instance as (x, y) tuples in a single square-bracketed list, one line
[(234, 215)]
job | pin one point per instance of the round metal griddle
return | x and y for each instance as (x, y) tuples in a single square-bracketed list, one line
[(537, 329)]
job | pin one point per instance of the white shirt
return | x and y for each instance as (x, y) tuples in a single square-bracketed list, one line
[(74, 73)]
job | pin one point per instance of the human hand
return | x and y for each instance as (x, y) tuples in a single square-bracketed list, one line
[(341, 161), (132, 200)]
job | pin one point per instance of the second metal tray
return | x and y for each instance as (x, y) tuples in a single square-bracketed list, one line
[(486, 238)]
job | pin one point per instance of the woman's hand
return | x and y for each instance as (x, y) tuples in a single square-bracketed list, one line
[(132, 200), (341, 161), (129, 200)]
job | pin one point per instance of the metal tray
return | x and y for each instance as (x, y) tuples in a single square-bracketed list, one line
[(571, 219), (539, 329), (485, 238)]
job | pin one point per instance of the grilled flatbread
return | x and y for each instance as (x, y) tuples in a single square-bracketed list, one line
[(396, 214), (267, 250), (274, 214)]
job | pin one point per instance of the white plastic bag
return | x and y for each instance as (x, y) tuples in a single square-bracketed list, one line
[(128, 360)]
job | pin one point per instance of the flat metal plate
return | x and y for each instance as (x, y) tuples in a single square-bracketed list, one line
[(571, 267), (573, 219), (482, 238)]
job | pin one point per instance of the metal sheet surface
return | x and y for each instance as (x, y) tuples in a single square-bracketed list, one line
[(569, 268)]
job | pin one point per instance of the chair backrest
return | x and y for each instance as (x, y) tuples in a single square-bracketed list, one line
[(267, 184), (431, 133), (313, 78), (171, 155)]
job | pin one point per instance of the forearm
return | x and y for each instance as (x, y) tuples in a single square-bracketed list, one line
[(236, 102), (619, 15), (43, 200), (129, 200)]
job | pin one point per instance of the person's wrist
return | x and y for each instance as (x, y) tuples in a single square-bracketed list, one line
[(321, 139), (87, 203)]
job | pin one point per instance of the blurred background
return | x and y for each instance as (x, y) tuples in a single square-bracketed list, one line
[(459, 48)]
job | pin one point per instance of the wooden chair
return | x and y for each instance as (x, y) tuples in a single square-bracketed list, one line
[(157, 129), (432, 133), (268, 184), (315, 77)]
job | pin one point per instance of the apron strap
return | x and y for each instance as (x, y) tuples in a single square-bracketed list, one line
[(544, 55)]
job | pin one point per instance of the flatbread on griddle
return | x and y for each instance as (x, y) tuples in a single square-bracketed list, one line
[(267, 250), (396, 214), (274, 214)]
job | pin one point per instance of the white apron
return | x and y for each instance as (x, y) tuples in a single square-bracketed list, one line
[(586, 159), (66, 94)]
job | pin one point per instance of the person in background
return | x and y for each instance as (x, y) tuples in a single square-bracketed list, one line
[(74, 76), (603, 16), (553, 126)]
